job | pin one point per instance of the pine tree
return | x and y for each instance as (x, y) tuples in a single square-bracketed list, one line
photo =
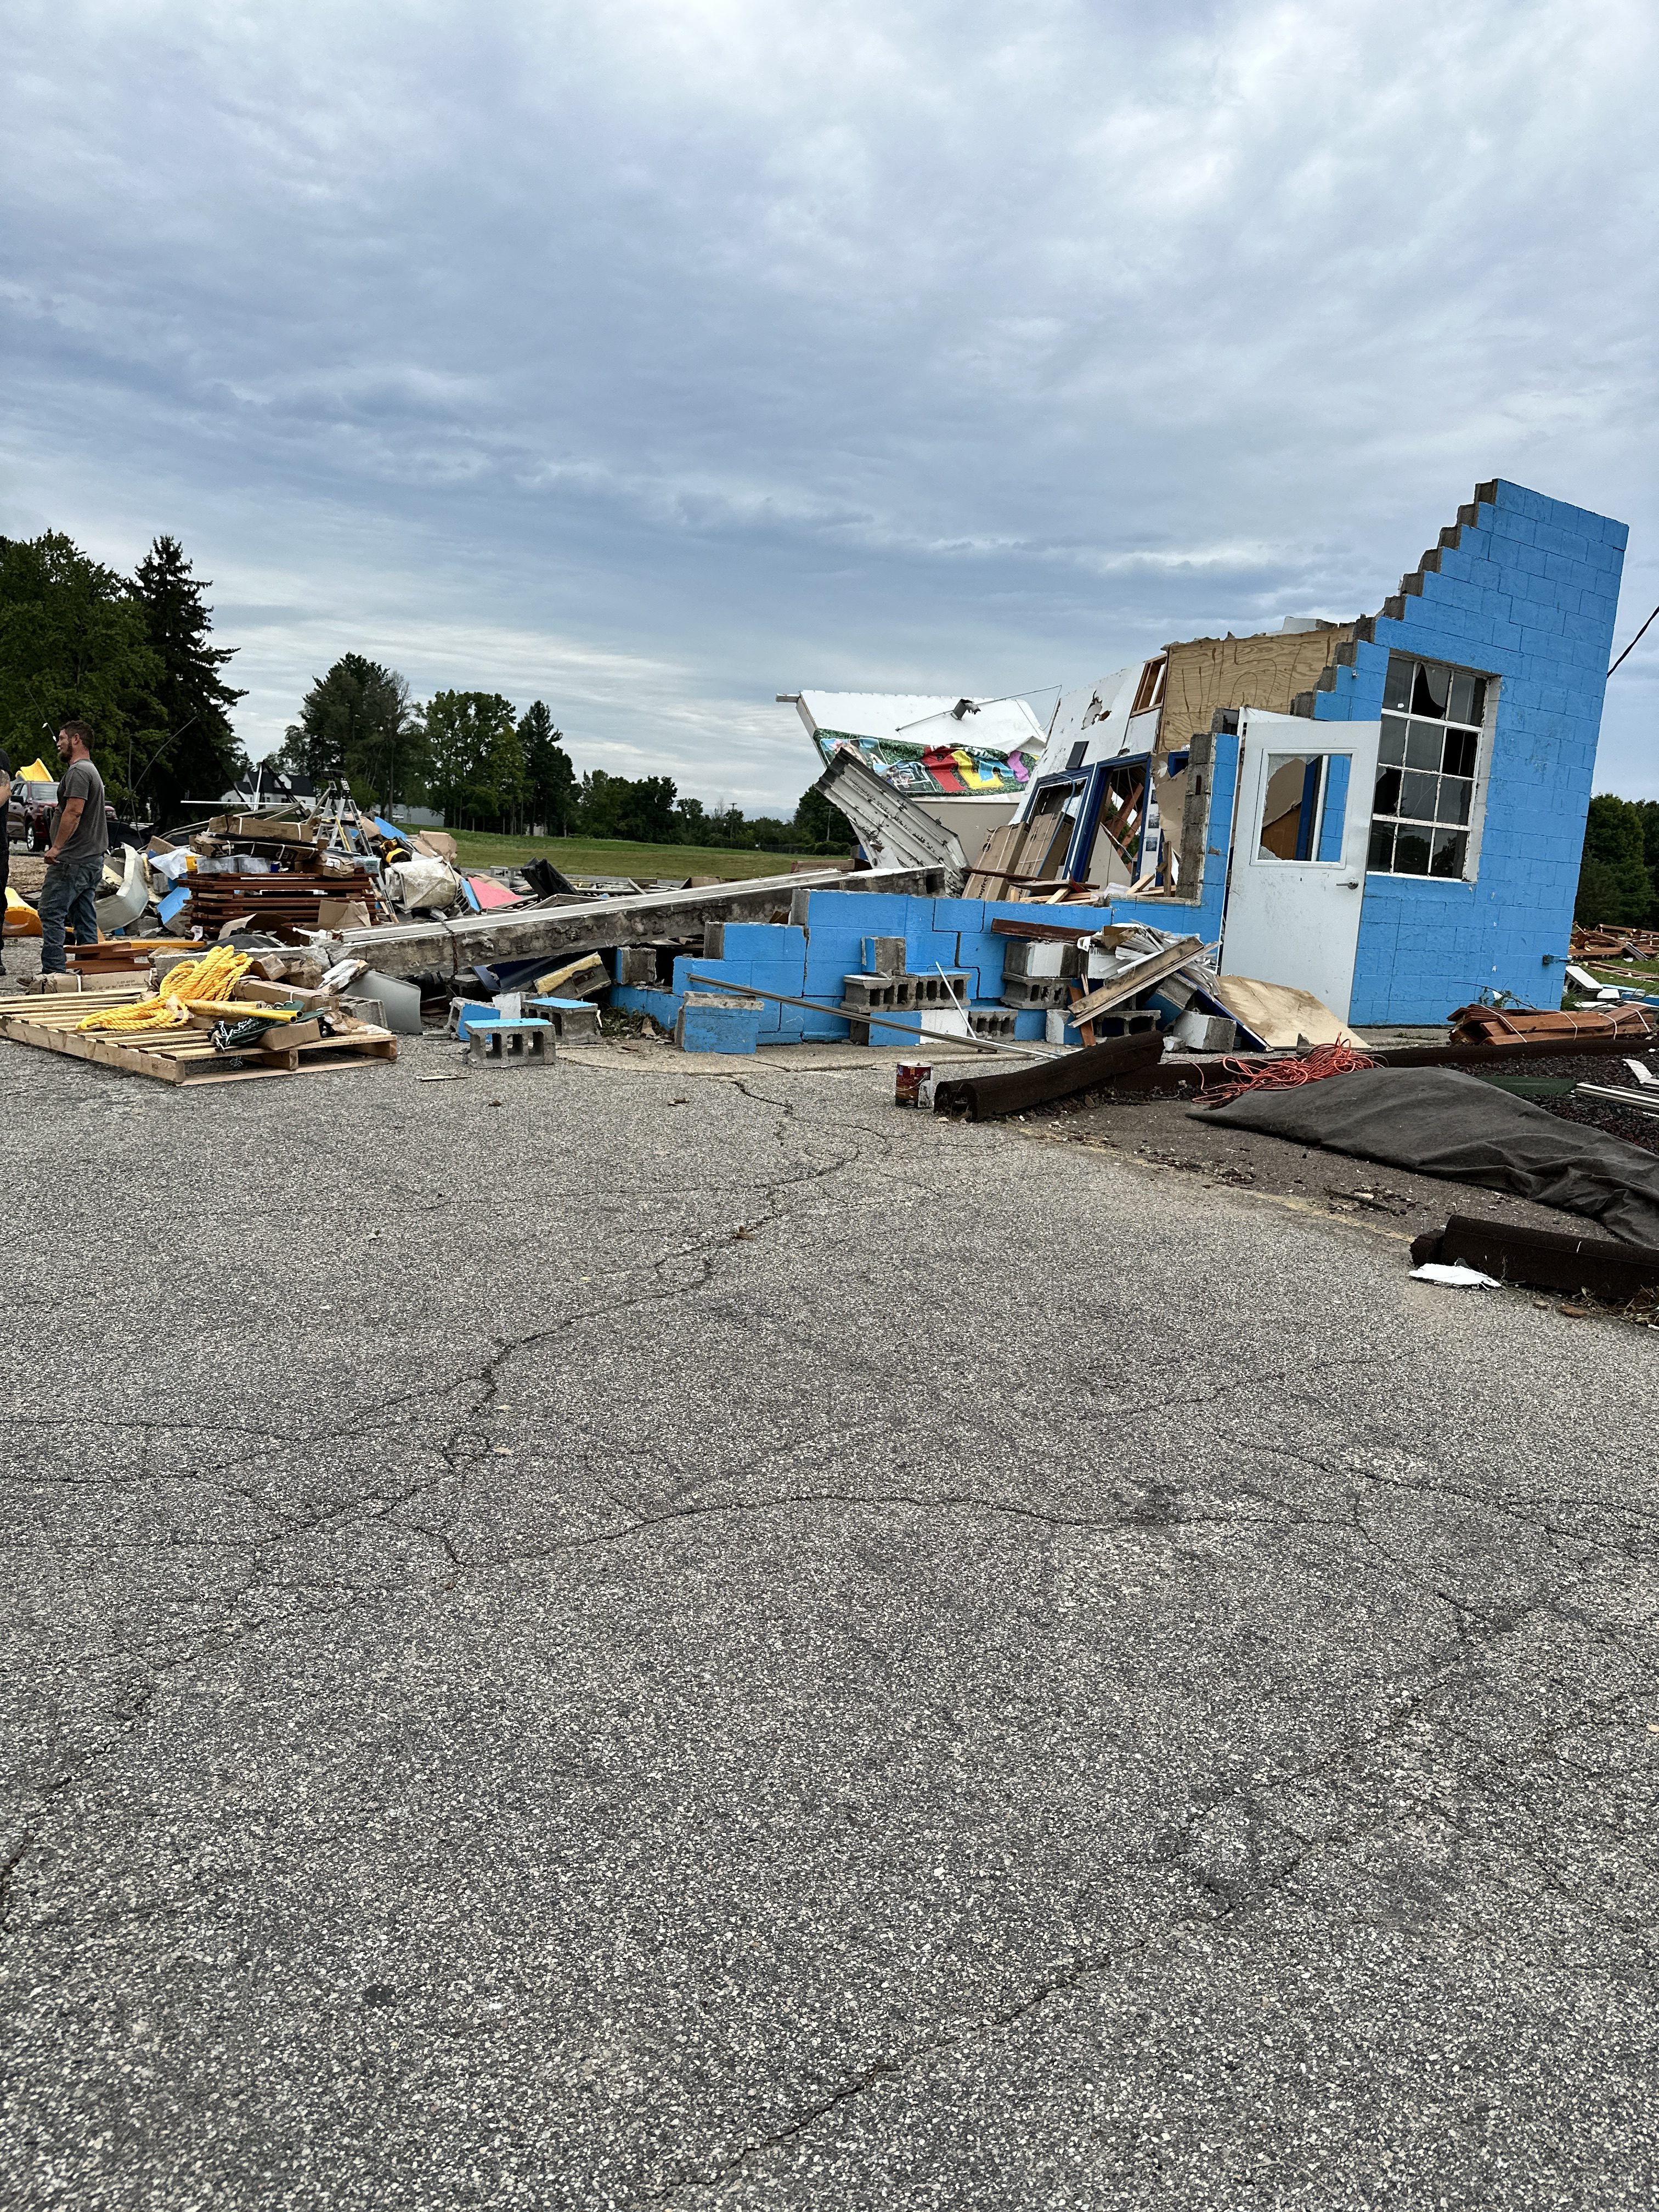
[(548, 766), (199, 755)]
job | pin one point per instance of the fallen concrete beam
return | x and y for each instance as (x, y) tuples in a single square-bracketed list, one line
[(449, 948)]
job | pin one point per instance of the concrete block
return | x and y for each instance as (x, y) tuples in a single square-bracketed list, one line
[(1205, 1033), (1025, 957), (512, 1044), (1035, 991), (708, 1023), (860, 914), (575, 1021), (635, 963), (884, 994), (883, 956), (773, 942)]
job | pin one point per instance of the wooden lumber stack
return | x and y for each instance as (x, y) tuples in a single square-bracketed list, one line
[(113, 959), (277, 904)]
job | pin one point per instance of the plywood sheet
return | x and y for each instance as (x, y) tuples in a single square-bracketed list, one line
[(1278, 1014)]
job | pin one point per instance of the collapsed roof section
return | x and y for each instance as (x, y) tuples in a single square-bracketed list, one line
[(927, 746)]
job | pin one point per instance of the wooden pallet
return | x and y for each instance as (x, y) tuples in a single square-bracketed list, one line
[(178, 1055)]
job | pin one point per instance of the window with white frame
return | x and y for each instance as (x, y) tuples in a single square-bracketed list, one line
[(1432, 717)]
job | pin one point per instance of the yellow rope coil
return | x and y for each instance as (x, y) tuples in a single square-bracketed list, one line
[(213, 977)]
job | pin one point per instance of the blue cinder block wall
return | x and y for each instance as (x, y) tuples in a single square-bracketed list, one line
[(1524, 588)]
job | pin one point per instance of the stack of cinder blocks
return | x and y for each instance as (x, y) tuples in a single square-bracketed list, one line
[(1040, 974)]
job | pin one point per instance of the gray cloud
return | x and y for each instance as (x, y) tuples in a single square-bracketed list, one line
[(657, 358)]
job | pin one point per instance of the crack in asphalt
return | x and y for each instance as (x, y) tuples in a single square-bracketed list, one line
[(1272, 1849)]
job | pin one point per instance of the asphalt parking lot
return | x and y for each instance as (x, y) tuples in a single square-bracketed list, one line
[(644, 1636)]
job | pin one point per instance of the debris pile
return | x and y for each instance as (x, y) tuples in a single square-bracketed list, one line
[(289, 872), (211, 1014)]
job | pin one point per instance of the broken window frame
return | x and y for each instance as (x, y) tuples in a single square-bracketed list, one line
[(1443, 821), (1149, 692), (1116, 797)]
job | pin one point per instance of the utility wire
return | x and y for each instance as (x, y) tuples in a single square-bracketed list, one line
[(1636, 640)]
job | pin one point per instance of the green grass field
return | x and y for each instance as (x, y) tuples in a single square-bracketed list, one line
[(615, 856)]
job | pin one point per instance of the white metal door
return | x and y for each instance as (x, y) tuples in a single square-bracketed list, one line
[(1298, 863)]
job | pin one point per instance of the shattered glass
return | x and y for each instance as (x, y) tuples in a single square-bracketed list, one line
[(1430, 688)]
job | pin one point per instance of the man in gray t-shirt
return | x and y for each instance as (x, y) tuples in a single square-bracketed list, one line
[(74, 858)]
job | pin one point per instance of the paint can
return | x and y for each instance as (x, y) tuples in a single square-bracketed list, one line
[(914, 1084)]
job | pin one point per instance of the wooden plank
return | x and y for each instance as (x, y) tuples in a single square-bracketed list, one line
[(1134, 981), (1038, 932)]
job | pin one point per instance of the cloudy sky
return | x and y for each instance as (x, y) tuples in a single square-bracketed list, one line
[(657, 357)]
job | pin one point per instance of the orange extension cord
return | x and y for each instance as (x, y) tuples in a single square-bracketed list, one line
[(1322, 1061)]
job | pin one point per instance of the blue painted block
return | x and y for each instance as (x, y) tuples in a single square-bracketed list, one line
[(733, 1029), (776, 943), (857, 913), (663, 1006)]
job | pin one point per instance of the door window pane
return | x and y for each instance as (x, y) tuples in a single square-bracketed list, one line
[(1290, 812)]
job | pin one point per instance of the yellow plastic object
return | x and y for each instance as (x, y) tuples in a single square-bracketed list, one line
[(36, 772), (21, 920), (212, 978)]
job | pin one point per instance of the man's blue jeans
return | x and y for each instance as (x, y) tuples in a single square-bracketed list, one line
[(70, 892)]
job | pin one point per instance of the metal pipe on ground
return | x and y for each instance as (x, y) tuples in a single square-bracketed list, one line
[(720, 985)]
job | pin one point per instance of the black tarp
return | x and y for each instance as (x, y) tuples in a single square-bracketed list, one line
[(1438, 1122)]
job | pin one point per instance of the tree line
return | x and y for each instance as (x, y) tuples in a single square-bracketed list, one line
[(486, 766), (1619, 875), (134, 657)]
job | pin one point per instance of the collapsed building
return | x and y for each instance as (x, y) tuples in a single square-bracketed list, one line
[(1386, 812)]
